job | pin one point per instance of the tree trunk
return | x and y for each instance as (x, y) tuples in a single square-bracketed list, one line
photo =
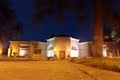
[(98, 32)]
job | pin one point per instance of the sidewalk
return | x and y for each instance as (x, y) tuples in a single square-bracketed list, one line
[(97, 74), (52, 70)]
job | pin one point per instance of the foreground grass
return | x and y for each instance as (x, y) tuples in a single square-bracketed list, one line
[(106, 64)]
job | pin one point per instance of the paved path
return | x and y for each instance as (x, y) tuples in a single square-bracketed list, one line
[(52, 70)]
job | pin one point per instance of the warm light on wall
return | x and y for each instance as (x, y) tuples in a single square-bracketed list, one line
[(22, 53), (50, 53), (0, 51), (68, 49), (74, 53), (54, 49)]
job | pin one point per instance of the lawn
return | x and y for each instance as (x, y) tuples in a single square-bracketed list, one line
[(112, 64)]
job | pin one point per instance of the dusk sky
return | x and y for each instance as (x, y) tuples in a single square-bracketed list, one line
[(32, 32)]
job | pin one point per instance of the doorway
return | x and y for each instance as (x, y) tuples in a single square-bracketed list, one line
[(62, 54)]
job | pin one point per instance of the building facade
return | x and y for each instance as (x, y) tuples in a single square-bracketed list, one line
[(60, 47), (30, 49)]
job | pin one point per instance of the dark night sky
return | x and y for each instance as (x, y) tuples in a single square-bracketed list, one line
[(34, 32)]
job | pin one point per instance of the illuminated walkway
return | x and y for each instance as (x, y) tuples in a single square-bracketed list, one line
[(52, 70)]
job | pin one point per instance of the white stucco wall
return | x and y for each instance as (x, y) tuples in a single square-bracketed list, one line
[(74, 47), (43, 47), (50, 47), (83, 49)]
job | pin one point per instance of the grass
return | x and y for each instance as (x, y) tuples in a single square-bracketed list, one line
[(102, 63)]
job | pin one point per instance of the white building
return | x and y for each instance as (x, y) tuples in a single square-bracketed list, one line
[(85, 49), (60, 47), (28, 49)]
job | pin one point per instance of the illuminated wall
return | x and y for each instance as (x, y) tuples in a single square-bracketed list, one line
[(50, 53), (59, 46), (104, 50), (50, 47), (15, 48), (74, 47), (85, 49), (27, 48), (0, 48), (62, 45), (43, 47), (24, 49), (20, 48)]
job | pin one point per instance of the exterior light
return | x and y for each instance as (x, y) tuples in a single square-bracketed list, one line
[(68, 49), (54, 49), (0, 51)]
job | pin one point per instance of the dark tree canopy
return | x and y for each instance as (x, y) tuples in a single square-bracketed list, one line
[(57, 8), (8, 25), (116, 25), (102, 14), (7, 15)]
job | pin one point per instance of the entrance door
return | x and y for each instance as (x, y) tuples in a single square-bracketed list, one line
[(62, 54)]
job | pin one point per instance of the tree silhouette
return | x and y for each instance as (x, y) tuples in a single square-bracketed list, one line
[(116, 25), (56, 9), (102, 10), (9, 28)]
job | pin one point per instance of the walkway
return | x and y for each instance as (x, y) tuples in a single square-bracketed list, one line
[(52, 70)]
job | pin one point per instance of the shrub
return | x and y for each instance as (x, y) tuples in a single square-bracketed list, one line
[(106, 64)]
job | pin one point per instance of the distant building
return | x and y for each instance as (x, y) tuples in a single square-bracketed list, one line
[(60, 47)]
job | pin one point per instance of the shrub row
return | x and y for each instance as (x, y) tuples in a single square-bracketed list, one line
[(106, 64)]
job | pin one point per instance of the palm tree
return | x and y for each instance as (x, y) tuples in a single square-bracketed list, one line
[(56, 8)]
